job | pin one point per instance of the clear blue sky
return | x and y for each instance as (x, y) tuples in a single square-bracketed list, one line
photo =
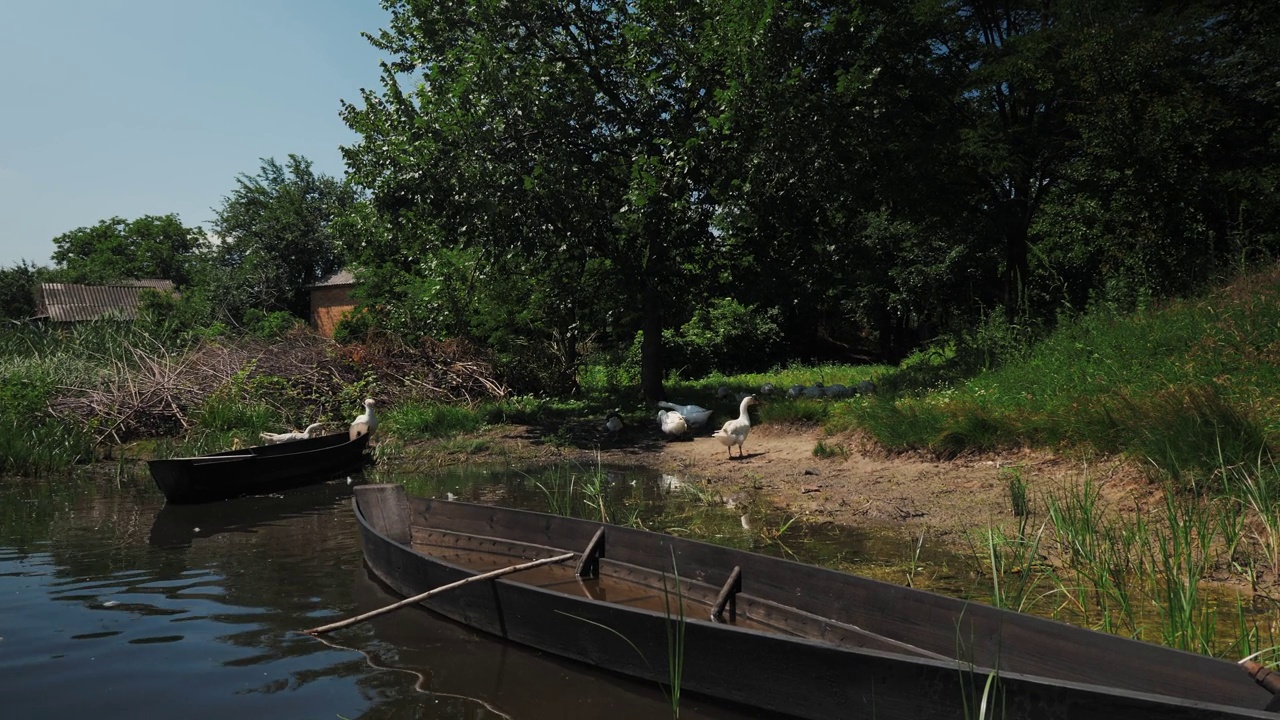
[(151, 107)]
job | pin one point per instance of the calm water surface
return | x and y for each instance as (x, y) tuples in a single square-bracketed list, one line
[(113, 605)]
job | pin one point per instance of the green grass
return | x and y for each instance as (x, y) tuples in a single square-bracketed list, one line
[(799, 411), (823, 449), (1140, 574), (430, 420), (226, 413), (1017, 484), (32, 450), (1185, 388)]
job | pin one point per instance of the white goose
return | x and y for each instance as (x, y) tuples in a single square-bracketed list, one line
[(735, 432), (366, 423), (277, 438), (695, 416), (672, 422)]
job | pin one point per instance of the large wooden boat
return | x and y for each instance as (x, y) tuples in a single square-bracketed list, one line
[(259, 469), (773, 634)]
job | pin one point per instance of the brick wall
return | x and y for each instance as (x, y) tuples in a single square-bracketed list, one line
[(328, 306)]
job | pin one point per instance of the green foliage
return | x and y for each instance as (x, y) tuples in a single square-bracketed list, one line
[(589, 203), (117, 249), (571, 207), (727, 337), (432, 420), (794, 411), (32, 441), (17, 292), (34, 449), (282, 231), (223, 412), (240, 405), (269, 325), (24, 395), (519, 410), (1188, 388), (357, 326)]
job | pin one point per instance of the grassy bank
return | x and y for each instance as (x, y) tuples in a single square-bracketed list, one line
[(1191, 386)]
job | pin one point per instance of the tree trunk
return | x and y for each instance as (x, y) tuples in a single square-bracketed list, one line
[(651, 342), (1016, 255)]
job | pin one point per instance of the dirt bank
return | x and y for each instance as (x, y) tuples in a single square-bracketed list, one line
[(852, 486)]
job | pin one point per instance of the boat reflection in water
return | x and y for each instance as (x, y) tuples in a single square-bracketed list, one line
[(178, 525)]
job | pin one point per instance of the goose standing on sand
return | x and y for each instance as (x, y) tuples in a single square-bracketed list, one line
[(735, 432), (672, 422), (277, 438), (366, 423)]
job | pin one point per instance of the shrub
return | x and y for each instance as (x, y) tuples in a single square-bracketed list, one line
[(269, 325), (727, 337)]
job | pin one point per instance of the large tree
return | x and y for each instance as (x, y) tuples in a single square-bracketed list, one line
[(280, 231), (115, 250), (560, 139), (843, 183)]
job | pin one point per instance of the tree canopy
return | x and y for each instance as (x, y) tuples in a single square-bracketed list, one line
[(555, 175), (114, 250), (280, 231)]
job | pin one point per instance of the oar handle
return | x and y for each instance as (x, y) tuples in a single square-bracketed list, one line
[(436, 591)]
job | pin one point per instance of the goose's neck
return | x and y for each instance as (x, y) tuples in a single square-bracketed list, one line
[(742, 410)]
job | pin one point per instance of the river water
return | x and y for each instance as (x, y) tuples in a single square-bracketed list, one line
[(114, 605)]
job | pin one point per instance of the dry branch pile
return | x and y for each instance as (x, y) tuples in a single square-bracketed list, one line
[(153, 392)]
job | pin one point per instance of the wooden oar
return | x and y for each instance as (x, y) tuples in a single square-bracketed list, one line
[(443, 588)]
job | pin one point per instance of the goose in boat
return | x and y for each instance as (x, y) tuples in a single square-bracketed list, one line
[(735, 431), (365, 423), (277, 438), (694, 415)]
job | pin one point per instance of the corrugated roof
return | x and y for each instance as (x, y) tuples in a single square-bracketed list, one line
[(64, 302), (342, 277)]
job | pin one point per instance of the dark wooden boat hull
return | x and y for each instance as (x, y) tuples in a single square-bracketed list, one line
[(259, 469), (841, 646)]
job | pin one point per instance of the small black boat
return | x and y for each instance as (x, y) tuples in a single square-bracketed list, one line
[(259, 469), (769, 633)]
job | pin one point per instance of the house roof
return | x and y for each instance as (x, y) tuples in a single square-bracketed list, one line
[(65, 302), (342, 277)]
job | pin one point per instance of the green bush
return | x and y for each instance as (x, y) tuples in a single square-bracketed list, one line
[(269, 325), (726, 337), (356, 326)]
